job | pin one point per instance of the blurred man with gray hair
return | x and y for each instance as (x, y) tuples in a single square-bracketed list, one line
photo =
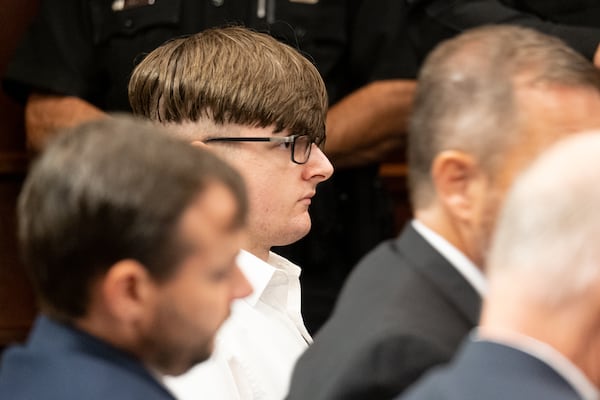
[(539, 336), (487, 102)]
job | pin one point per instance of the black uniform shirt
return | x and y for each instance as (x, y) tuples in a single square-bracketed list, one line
[(87, 49)]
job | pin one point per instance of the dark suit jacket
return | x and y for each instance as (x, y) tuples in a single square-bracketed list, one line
[(491, 371), (577, 22), (63, 363), (403, 310)]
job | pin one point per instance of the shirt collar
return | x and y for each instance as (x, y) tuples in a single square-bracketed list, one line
[(550, 356), (259, 273), (455, 257)]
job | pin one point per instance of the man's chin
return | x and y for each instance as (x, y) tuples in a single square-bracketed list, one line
[(291, 236), (297, 237), (200, 358)]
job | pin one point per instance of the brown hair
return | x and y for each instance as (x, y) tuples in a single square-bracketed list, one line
[(230, 75), (106, 191)]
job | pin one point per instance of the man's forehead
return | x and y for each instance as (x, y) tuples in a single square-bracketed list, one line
[(548, 113), (559, 108)]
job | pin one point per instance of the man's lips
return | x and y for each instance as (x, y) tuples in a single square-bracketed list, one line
[(308, 197)]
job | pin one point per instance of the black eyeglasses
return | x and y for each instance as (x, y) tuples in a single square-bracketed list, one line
[(300, 148)]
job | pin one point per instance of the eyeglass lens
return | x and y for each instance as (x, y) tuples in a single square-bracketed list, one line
[(302, 147)]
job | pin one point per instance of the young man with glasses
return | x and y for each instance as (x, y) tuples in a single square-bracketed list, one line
[(261, 106), (300, 145)]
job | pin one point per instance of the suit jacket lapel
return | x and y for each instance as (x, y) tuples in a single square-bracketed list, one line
[(429, 263)]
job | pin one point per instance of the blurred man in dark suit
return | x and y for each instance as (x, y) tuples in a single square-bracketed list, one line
[(539, 336), (487, 102)]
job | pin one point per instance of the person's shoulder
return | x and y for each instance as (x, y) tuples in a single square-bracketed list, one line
[(492, 371), (27, 375), (387, 282), (378, 267), (394, 256), (387, 333), (380, 367), (386, 295)]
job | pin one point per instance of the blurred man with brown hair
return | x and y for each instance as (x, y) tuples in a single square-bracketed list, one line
[(130, 239)]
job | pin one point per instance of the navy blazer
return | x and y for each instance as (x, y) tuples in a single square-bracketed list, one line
[(403, 310), (60, 362), (492, 371)]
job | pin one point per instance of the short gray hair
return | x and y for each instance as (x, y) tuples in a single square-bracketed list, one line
[(466, 90)]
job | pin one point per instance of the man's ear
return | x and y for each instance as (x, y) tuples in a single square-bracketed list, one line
[(459, 183), (127, 290)]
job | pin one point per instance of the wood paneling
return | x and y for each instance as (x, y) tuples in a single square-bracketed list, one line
[(16, 298), (394, 177), (17, 306)]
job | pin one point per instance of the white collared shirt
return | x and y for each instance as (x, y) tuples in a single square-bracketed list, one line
[(455, 257), (257, 347), (549, 356)]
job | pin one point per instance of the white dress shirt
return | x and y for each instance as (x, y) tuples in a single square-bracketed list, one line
[(455, 257), (257, 347)]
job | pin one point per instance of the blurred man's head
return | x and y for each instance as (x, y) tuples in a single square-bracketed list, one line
[(488, 101), (548, 230), (544, 263), (224, 86), (132, 235)]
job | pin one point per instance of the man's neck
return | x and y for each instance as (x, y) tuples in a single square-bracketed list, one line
[(445, 226), (571, 330), (258, 251)]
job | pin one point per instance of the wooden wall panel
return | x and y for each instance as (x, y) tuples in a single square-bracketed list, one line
[(394, 177), (17, 306)]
